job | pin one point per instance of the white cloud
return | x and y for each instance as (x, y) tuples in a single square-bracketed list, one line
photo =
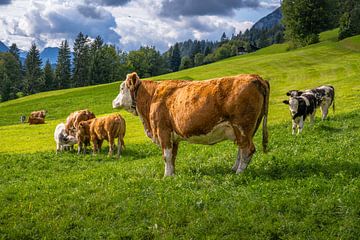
[(127, 23)]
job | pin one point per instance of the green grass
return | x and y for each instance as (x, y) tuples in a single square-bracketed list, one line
[(306, 187)]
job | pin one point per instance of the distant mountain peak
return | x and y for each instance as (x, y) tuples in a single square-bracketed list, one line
[(269, 21), (3, 47)]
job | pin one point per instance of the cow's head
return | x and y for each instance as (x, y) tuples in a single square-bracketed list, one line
[(128, 93), (293, 103), (294, 93), (68, 139), (83, 129)]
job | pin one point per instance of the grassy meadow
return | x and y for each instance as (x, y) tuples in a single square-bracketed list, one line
[(305, 187)]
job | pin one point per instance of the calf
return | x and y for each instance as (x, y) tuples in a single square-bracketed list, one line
[(108, 128), (301, 107), (83, 135), (73, 120), (36, 120), (325, 97), (62, 139)]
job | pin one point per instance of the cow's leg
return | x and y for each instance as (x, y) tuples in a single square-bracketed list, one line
[(79, 147), (294, 126), (237, 162), (57, 147), (301, 124), (324, 111), (120, 141), (312, 118), (246, 151), (111, 145), (99, 142)]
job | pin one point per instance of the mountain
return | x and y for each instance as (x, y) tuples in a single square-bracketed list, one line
[(3, 47), (269, 21), (50, 53)]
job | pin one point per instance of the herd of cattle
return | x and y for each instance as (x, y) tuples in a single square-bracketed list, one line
[(204, 112)]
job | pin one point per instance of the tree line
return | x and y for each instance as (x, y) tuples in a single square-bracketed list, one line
[(304, 20)]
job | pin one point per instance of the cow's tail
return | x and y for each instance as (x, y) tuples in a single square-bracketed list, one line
[(265, 133), (263, 87), (333, 103)]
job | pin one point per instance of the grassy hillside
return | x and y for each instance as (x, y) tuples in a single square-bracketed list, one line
[(307, 186)]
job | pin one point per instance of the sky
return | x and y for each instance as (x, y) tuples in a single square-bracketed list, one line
[(128, 24)]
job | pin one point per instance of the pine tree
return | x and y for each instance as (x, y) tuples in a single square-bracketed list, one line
[(82, 61), (15, 51), (97, 67), (63, 67), (175, 58), (48, 77), (33, 81)]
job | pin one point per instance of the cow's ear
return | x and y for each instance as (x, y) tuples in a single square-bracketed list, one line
[(132, 80), (288, 93), (286, 102)]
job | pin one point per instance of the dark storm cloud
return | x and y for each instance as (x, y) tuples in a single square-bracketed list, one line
[(176, 8), (5, 2), (113, 3), (89, 11)]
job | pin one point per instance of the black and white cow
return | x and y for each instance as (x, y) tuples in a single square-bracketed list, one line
[(301, 107), (325, 97)]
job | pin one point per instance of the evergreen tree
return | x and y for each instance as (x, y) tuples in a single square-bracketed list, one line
[(224, 38), (15, 51), (81, 62), (33, 82), (97, 67), (48, 77), (63, 67), (175, 58), (11, 76)]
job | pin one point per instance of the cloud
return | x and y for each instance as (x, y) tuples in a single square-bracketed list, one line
[(5, 2), (176, 8), (51, 24), (112, 3)]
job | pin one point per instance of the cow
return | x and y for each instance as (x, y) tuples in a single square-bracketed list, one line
[(73, 120), (36, 120), (22, 119), (205, 112), (301, 107), (325, 97), (83, 135), (38, 114), (62, 139), (108, 128)]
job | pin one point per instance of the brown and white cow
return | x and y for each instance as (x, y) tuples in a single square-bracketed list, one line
[(73, 120), (38, 114), (205, 112), (36, 120), (108, 128)]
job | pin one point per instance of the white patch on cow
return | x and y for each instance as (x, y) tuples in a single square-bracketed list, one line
[(307, 102), (123, 100), (59, 135), (222, 131), (293, 106), (169, 167)]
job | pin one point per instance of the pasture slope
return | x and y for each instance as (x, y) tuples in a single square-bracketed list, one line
[(306, 187)]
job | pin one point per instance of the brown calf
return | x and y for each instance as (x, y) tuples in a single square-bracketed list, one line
[(83, 135), (108, 128)]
